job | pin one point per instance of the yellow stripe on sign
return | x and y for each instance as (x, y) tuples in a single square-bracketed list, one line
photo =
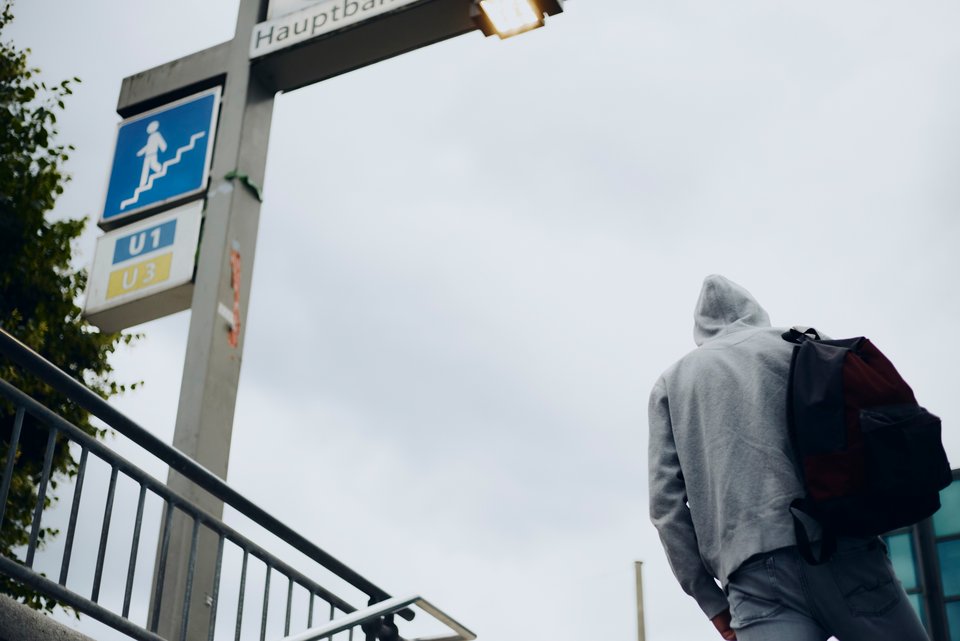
[(139, 275)]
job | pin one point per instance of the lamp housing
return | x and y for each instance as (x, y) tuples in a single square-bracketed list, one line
[(508, 18)]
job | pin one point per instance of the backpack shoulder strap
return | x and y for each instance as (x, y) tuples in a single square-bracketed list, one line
[(828, 540), (799, 333)]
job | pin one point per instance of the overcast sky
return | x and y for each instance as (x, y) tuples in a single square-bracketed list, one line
[(474, 261)]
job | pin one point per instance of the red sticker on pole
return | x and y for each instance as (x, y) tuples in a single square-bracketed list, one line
[(234, 335)]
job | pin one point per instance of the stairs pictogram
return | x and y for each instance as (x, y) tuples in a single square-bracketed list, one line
[(163, 169)]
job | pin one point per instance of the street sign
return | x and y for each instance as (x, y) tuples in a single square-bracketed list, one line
[(161, 158), (314, 21), (144, 270)]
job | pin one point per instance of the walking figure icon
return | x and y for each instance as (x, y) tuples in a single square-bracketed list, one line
[(152, 169), (155, 144), (161, 158)]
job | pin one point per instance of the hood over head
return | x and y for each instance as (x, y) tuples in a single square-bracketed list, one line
[(725, 307)]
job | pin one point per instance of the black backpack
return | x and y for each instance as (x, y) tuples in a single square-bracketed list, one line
[(870, 457)]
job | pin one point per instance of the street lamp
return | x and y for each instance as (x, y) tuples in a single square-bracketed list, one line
[(508, 18)]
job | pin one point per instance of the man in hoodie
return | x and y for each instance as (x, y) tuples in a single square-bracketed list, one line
[(722, 477)]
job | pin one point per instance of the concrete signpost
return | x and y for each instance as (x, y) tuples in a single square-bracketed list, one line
[(163, 158)]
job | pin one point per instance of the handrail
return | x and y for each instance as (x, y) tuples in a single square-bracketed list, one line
[(96, 447), (77, 392), (374, 612)]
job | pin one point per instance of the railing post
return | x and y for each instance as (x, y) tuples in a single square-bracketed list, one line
[(11, 459), (41, 497)]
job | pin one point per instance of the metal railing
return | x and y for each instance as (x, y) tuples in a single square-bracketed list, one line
[(381, 615), (375, 620)]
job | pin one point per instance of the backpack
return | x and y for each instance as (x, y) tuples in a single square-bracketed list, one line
[(870, 457)]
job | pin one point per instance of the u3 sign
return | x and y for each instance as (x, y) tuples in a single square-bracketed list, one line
[(145, 270)]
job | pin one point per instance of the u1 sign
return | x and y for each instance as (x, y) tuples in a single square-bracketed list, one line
[(145, 270)]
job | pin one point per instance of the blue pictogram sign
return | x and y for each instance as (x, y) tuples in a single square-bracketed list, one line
[(162, 157)]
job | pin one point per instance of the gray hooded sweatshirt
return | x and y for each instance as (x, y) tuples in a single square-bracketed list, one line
[(721, 473)]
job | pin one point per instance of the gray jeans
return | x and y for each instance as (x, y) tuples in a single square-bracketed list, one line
[(854, 596)]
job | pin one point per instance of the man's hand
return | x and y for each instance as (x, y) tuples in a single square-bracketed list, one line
[(722, 623)]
